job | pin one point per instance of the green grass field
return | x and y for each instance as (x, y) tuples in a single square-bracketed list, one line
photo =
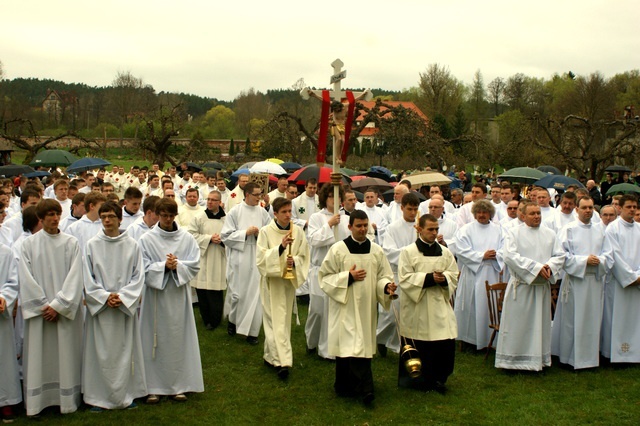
[(240, 390)]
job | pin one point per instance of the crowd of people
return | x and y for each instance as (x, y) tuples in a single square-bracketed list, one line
[(100, 271)]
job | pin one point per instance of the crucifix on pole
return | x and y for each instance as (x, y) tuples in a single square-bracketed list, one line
[(339, 120)]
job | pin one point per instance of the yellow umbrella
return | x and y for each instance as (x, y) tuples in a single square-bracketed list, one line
[(275, 160)]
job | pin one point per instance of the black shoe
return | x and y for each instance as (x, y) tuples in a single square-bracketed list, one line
[(368, 399), (267, 363), (209, 327), (231, 329), (440, 388), (252, 340), (382, 350), (283, 372), (311, 351)]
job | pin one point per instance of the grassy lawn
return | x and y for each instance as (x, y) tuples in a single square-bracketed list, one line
[(241, 390)]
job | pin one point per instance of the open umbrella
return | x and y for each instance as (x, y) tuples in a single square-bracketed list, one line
[(213, 165), (381, 170), (617, 168), (275, 160), (239, 172), (368, 182), (87, 163), (378, 175), (247, 165), (15, 170), (267, 167), (193, 166), (522, 174), (623, 188), (550, 169), (53, 158), (36, 174), (321, 174), (558, 182), (428, 178), (290, 166)]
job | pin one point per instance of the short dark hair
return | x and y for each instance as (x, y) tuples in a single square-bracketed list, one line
[(325, 192), (568, 195), (312, 181), (481, 186), (426, 217), (410, 199), (47, 205), (279, 203), (30, 219), (250, 186), (406, 183), (110, 206), (28, 193), (357, 214), (150, 203), (627, 197), (132, 193), (167, 205), (78, 199), (93, 198)]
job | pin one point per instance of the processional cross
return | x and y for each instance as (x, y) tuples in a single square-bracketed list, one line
[(339, 121)]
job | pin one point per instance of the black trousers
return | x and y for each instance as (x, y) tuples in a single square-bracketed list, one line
[(353, 377), (210, 303), (437, 359)]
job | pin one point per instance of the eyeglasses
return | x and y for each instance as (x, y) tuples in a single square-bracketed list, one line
[(259, 195)]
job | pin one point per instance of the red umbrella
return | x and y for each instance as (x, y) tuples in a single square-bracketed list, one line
[(321, 174)]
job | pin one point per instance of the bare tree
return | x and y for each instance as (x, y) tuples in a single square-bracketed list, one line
[(441, 93), (496, 93)]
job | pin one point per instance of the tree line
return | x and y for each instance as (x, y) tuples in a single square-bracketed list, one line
[(577, 122)]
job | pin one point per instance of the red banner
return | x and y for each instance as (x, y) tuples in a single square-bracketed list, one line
[(347, 126), (324, 129)]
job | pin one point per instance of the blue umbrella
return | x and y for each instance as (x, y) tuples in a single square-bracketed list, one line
[(38, 173), (380, 169), (558, 182), (87, 163)]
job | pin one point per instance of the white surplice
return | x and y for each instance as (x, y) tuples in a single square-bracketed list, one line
[(524, 341), (620, 331), (10, 389), (84, 230), (243, 277), (353, 308), (113, 369), (575, 334), (50, 274), (167, 325), (278, 294), (321, 237), (426, 313), (471, 308), (399, 235), (213, 259)]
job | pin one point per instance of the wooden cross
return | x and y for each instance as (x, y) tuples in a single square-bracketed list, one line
[(337, 94)]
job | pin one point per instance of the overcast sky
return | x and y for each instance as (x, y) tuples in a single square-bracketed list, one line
[(219, 48)]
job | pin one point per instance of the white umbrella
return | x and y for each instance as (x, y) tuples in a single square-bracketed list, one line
[(267, 167), (428, 178)]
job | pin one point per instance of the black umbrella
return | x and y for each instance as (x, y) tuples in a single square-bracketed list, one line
[(550, 169), (193, 166), (213, 165), (15, 170), (617, 168)]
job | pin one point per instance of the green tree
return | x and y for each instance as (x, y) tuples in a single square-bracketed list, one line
[(219, 122)]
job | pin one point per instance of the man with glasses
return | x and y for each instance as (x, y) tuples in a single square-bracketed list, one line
[(169, 338), (239, 235)]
